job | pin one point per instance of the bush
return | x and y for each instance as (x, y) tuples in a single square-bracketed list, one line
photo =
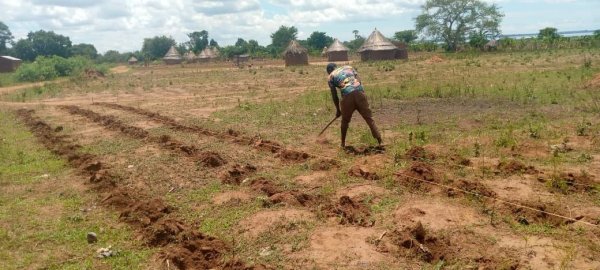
[(48, 68)]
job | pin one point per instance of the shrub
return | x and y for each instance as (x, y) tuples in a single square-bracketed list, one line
[(48, 68)]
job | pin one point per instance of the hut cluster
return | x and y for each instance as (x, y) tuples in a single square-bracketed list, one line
[(172, 57), (376, 47)]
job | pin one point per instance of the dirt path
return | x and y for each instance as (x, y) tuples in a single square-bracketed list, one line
[(13, 88)]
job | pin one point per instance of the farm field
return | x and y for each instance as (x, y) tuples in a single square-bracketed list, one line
[(491, 161)]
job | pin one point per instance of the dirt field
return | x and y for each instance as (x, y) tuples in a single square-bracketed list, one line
[(491, 162)]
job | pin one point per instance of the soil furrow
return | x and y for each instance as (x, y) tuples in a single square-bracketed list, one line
[(209, 159), (230, 135), (182, 246)]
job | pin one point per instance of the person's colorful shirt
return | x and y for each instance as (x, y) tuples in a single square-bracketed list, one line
[(345, 79)]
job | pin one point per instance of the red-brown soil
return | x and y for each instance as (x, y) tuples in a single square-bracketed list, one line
[(236, 174), (515, 167), (417, 176), (350, 212), (231, 135), (209, 159), (418, 153), (183, 246)]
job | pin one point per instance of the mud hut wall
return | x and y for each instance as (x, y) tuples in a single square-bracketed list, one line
[(173, 61), (8, 65), (378, 55), (337, 56), (402, 54), (296, 59)]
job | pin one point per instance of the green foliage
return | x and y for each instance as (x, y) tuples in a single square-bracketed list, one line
[(42, 43), (549, 34), (82, 49), (6, 37), (282, 37), (48, 68), (157, 47), (318, 40), (406, 36), (113, 56), (198, 41), (453, 21), (477, 40), (597, 34)]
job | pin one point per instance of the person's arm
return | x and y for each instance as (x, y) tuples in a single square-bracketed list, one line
[(336, 100)]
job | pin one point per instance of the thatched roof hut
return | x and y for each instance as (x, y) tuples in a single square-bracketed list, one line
[(172, 57), (295, 54), (9, 63), (377, 47), (337, 52), (132, 60), (190, 57), (215, 52)]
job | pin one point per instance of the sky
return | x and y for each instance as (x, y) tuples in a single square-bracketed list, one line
[(123, 24)]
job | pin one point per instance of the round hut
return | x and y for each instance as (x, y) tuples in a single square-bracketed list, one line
[(295, 54), (337, 52), (204, 56), (132, 61), (173, 57), (190, 57), (215, 53), (377, 47)]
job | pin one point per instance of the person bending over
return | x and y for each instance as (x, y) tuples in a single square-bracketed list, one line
[(353, 98)]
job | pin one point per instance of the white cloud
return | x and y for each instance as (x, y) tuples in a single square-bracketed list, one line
[(123, 24)]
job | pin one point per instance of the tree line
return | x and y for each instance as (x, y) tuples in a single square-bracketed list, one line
[(448, 25)]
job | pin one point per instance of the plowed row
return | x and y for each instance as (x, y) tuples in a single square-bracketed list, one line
[(182, 246)]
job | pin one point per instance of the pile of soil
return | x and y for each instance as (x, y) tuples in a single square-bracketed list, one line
[(350, 212), (212, 159), (515, 167), (323, 164), (474, 187), (293, 155), (265, 186), (526, 216), (417, 242), (418, 153), (413, 175), (273, 147), (363, 172), (573, 182), (459, 160), (236, 174)]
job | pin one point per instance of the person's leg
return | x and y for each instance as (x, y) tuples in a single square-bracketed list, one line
[(362, 105), (347, 107)]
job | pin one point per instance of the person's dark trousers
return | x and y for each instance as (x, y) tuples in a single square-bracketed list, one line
[(357, 100)]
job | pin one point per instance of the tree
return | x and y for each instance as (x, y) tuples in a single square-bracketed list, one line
[(113, 56), (452, 21), (318, 40), (282, 37), (157, 47), (477, 41), (6, 37), (549, 34), (406, 36), (355, 32), (198, 40), (83, 49), (253, 46), (213, 43), (241, 43), (43, 43)]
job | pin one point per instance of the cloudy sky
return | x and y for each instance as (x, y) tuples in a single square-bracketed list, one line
[(123, 24)]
